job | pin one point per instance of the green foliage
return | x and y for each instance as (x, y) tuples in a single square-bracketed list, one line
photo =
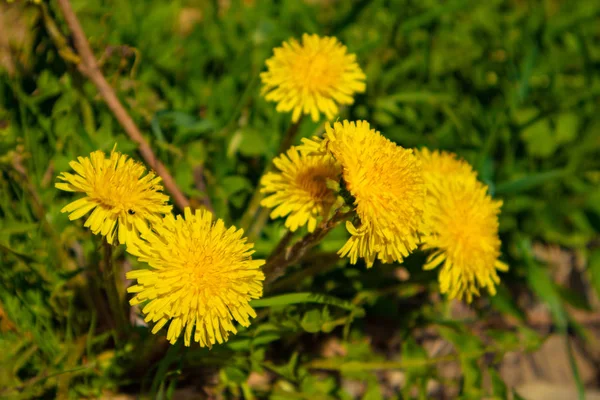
[(512, 87)]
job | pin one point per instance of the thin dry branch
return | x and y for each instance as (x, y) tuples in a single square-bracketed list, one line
[(88, 66)]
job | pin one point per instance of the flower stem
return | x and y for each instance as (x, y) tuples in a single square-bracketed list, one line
[(251, 223), (286, 256), (289, 136), (115, 301), (324, 262)]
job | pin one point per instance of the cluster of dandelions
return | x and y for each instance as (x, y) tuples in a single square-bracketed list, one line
[(400, 199), (201, 275)]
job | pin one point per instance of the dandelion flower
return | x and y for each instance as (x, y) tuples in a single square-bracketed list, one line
[(122, 196), (460, 228), (312, 78), (299, 191), (438, 166), (201, 278), (386, 186)]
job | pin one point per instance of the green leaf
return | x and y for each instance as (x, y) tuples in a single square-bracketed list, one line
[(373, 389), (234, 184), (412, 353), (288, 370), (530, 339), (196, 153), (299, 298), (253, 143), (470, 349), (235, 375), (24, 257), (546, 290), (499, 389), (505, 338), (312, 322), (16, 227), (574, 369), (517, 396), (504, 303), (417, 370), (312, 385), (575, 298), (433, 13), (539, 139), (567, 125), (594, 270), (240, 344), (173, 354), (194, 130), (530, 181), (63, 105), (47, 84)]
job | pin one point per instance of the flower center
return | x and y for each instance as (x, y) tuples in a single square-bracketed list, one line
[(120, 193), (314, 181), (204, 270), (316, 72)]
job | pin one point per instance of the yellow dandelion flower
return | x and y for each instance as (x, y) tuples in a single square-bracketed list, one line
[(299, 191), (437, 166), (312, 78), (123, 198), (461, 228), (386, 185), (201, 278)]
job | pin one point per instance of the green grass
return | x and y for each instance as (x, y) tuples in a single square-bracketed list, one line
[(511, 86)]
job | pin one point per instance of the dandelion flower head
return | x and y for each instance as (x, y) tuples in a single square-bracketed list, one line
[(122, 196), (312, 77), (386, 187), (460, 228), (201, 278), (437, 166), (299, 190)]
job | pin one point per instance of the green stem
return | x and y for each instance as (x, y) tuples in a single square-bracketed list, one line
[(530, 181), (250, 223), (574, 368), (115, 302), (326, 262), (286, 256), (259, 223), (359, 366)]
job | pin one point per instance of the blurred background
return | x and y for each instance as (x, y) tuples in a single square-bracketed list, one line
[(511, 86)]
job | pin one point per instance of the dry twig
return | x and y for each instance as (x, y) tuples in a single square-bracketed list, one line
[(88, 66)]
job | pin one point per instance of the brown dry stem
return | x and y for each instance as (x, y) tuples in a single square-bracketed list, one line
[(88, 66)]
